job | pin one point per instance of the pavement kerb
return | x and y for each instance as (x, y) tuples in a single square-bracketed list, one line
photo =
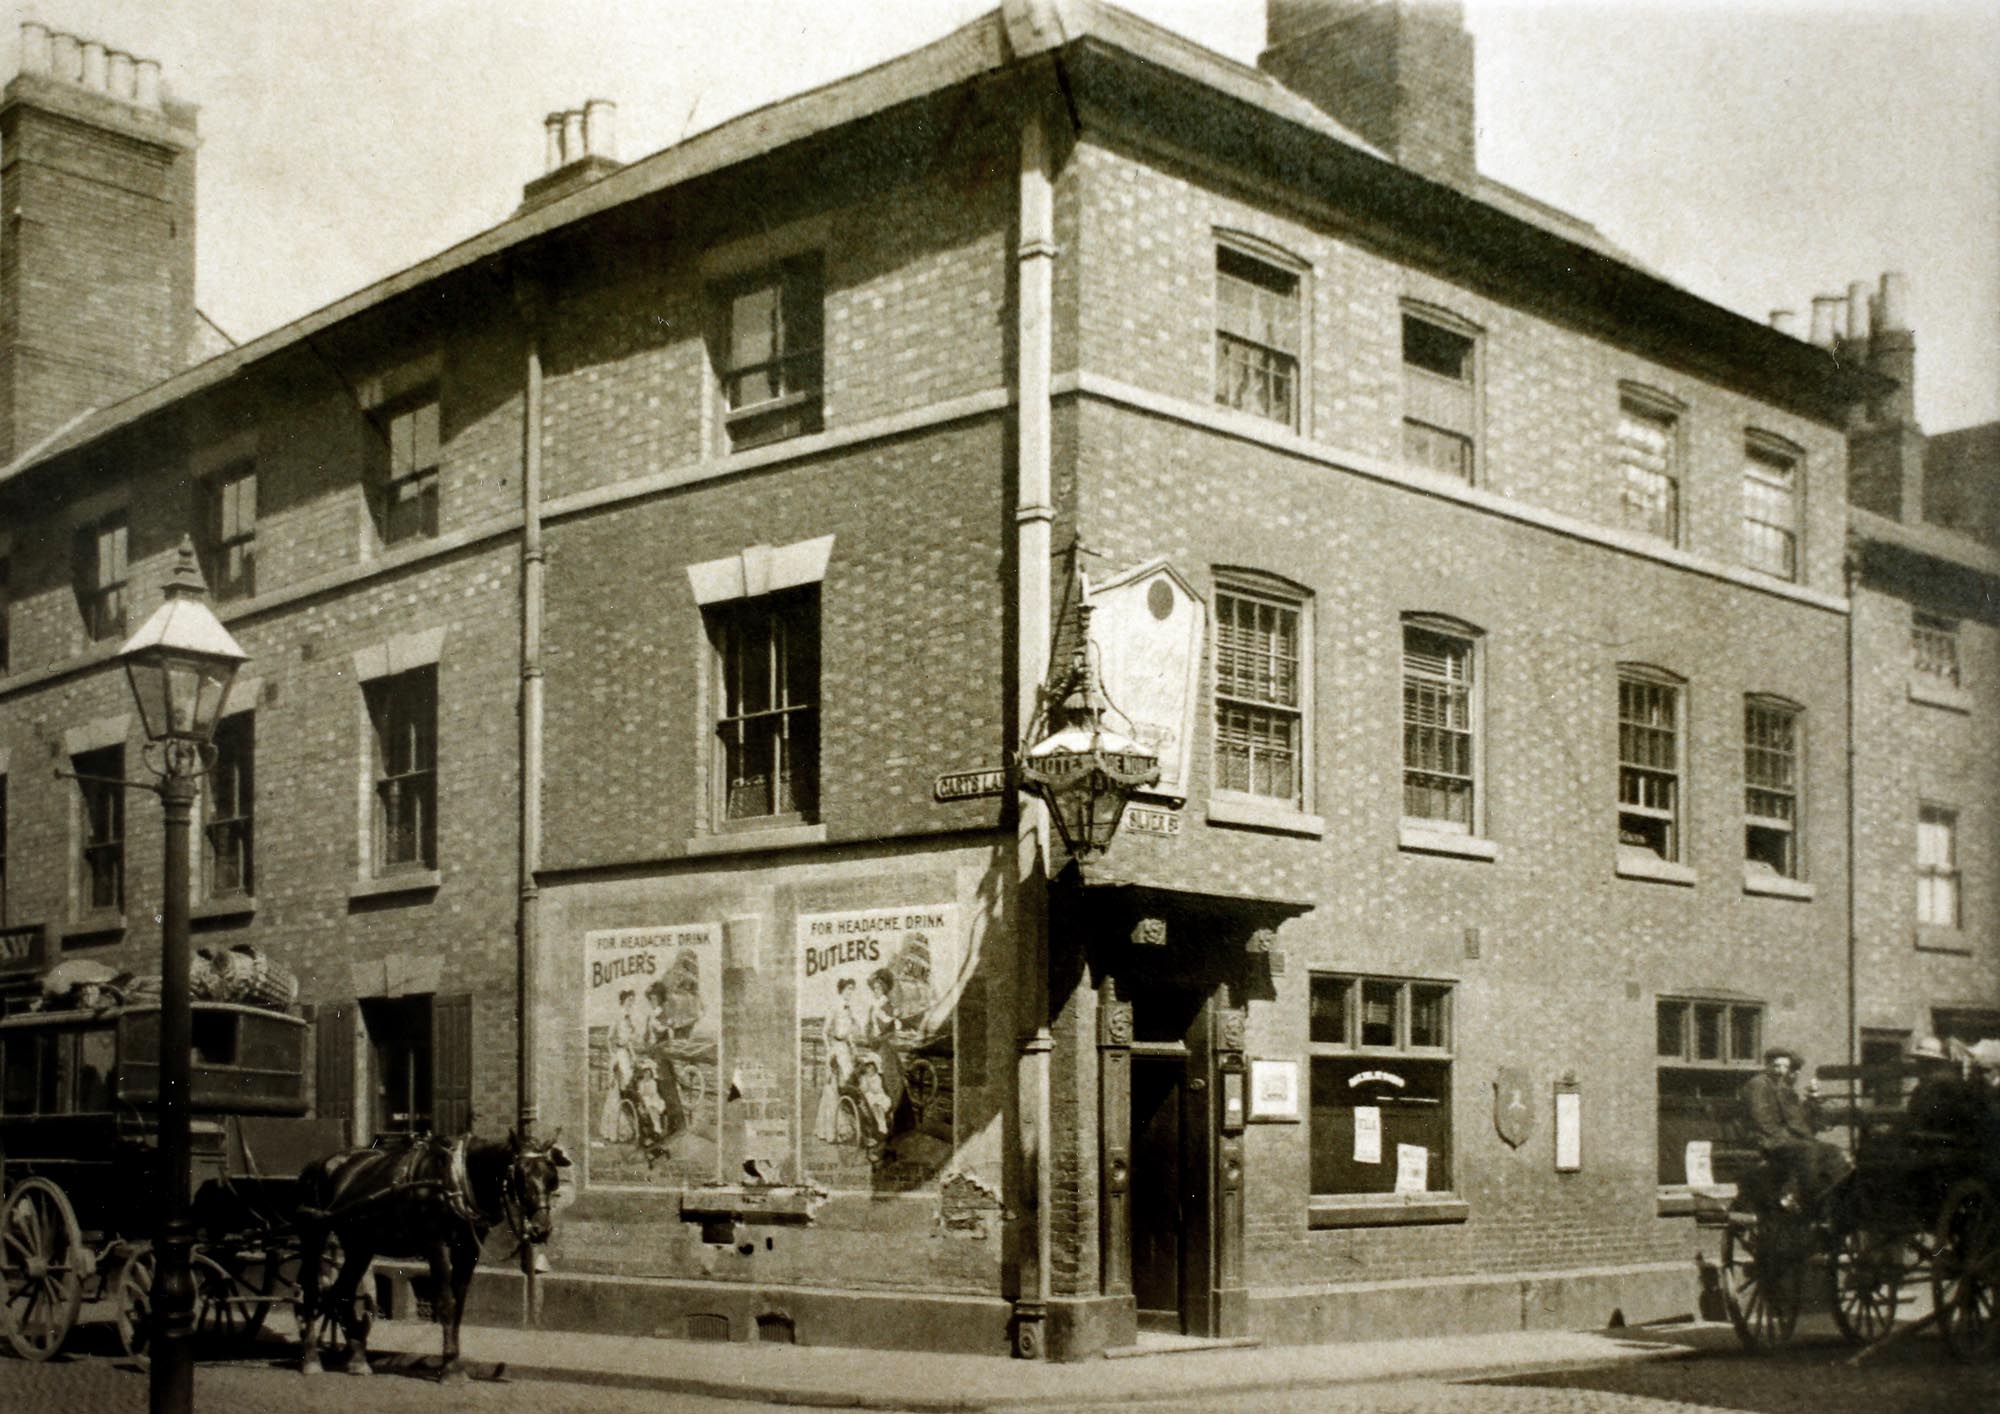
[(1148, 1378)]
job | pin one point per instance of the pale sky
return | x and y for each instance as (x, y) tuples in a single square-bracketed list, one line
[(1755, 153)]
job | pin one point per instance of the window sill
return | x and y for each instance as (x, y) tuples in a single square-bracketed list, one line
[(1386, 1210), (1255, 814), (413, 881), (747, 841), (1682, 1202), (1777, 886), (229, 906), (1933, 938), (102, 927), (1932, 693), (1658, 871), (1422, 841)]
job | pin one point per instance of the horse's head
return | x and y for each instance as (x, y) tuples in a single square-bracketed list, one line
[(529, 1187)]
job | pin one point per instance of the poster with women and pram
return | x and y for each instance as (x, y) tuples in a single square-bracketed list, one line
[(652, 1021), (876, 993)]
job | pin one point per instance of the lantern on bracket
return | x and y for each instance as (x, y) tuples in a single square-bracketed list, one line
[(1085, 771)]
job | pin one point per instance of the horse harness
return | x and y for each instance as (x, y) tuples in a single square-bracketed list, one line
[(427, 1168)]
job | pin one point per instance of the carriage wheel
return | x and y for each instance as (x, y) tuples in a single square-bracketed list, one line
[(628, 1123), (42, 1261), (693, 1087), (920, 1083), (1868, 1270), (132, 1295), (1765, 1266), (1965, 1270), (328, 1334), (226, 1308), (847, 1121)]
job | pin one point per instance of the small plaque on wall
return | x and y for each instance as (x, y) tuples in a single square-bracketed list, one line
[(1274, 1091)]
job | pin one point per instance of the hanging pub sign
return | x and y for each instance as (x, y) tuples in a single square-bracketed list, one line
[(652, 1017), (21, 948), (1148, 626)]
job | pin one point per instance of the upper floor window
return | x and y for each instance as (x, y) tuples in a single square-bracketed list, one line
[(1381, 1051), (229, 531), (1649, 465), (1771, 780), (1260, 688), (1440, 395), (101, 833), (1257, 336), (771, 356), (410, 429), (99, 563), (403, 711), (1649, 766), (1933, 647), (1705, 1051), (767, 708), (1937, 866), (226, 836), (1771, 507), (1440, 727)]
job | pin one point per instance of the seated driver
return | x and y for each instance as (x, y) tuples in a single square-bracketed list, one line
[(1783, 1125)]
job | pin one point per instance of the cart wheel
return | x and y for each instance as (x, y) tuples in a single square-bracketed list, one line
[(920, 1084), (327, 1332), (1965, 1270), (42, 1260), (693, 1087), (628, 1123), (132, 1295), (1867, 1272), (847, 1121), (1765, 1265), (226, 1311)]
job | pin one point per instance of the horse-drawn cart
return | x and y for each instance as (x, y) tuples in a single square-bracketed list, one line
[(79, 1156), (1918, 1216)]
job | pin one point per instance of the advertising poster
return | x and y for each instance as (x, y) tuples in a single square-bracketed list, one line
[(877, 989), (652, 1016)]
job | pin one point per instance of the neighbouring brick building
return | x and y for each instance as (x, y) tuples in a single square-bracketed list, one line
[(646, 598)]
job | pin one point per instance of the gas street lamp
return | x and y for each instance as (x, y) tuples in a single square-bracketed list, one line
[(1085, 771), (180, 665)]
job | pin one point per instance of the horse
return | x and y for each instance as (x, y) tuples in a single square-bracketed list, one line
[(421, 1197)]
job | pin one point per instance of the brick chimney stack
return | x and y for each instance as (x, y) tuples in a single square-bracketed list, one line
[(1398, 72), (1886, 446), (97, 231), (582, 146)]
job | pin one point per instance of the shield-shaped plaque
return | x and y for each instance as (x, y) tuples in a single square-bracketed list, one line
[(1513, 1106)]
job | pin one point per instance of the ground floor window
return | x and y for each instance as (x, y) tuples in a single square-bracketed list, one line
[(1380, 1085), (1706, 1050)]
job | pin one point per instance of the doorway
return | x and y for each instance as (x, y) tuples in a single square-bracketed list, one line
[(1167, 1193)]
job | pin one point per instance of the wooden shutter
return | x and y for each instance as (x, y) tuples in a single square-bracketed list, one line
[(334, 1079), (451, 1064)]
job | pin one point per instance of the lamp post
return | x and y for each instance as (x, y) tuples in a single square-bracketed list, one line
[(180, 665), (1086, 772)]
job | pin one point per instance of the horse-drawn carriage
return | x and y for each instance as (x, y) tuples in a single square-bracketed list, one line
[(281, 1215), (1919, 1214)]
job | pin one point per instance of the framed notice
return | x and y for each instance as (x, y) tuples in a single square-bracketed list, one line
[(1274, 1091)]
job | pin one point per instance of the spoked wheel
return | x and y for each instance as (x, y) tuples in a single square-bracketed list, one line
[(1766, 1265), (42, 1262), (847, 1121), (1867, 1274), (229, 1308), (1965, 1271), (132, 1296), (328, 1334)]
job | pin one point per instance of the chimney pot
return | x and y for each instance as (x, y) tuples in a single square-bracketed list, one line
[(1825, 313), (1857, 312), (34, 47), (552, 126), (572, 135), (65, 59), (121, 77), (93, 65), (146, 82), (1785, 321), (1893, 306), (600, 128)]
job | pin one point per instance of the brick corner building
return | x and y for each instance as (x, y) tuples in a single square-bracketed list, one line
[(648, 597)]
